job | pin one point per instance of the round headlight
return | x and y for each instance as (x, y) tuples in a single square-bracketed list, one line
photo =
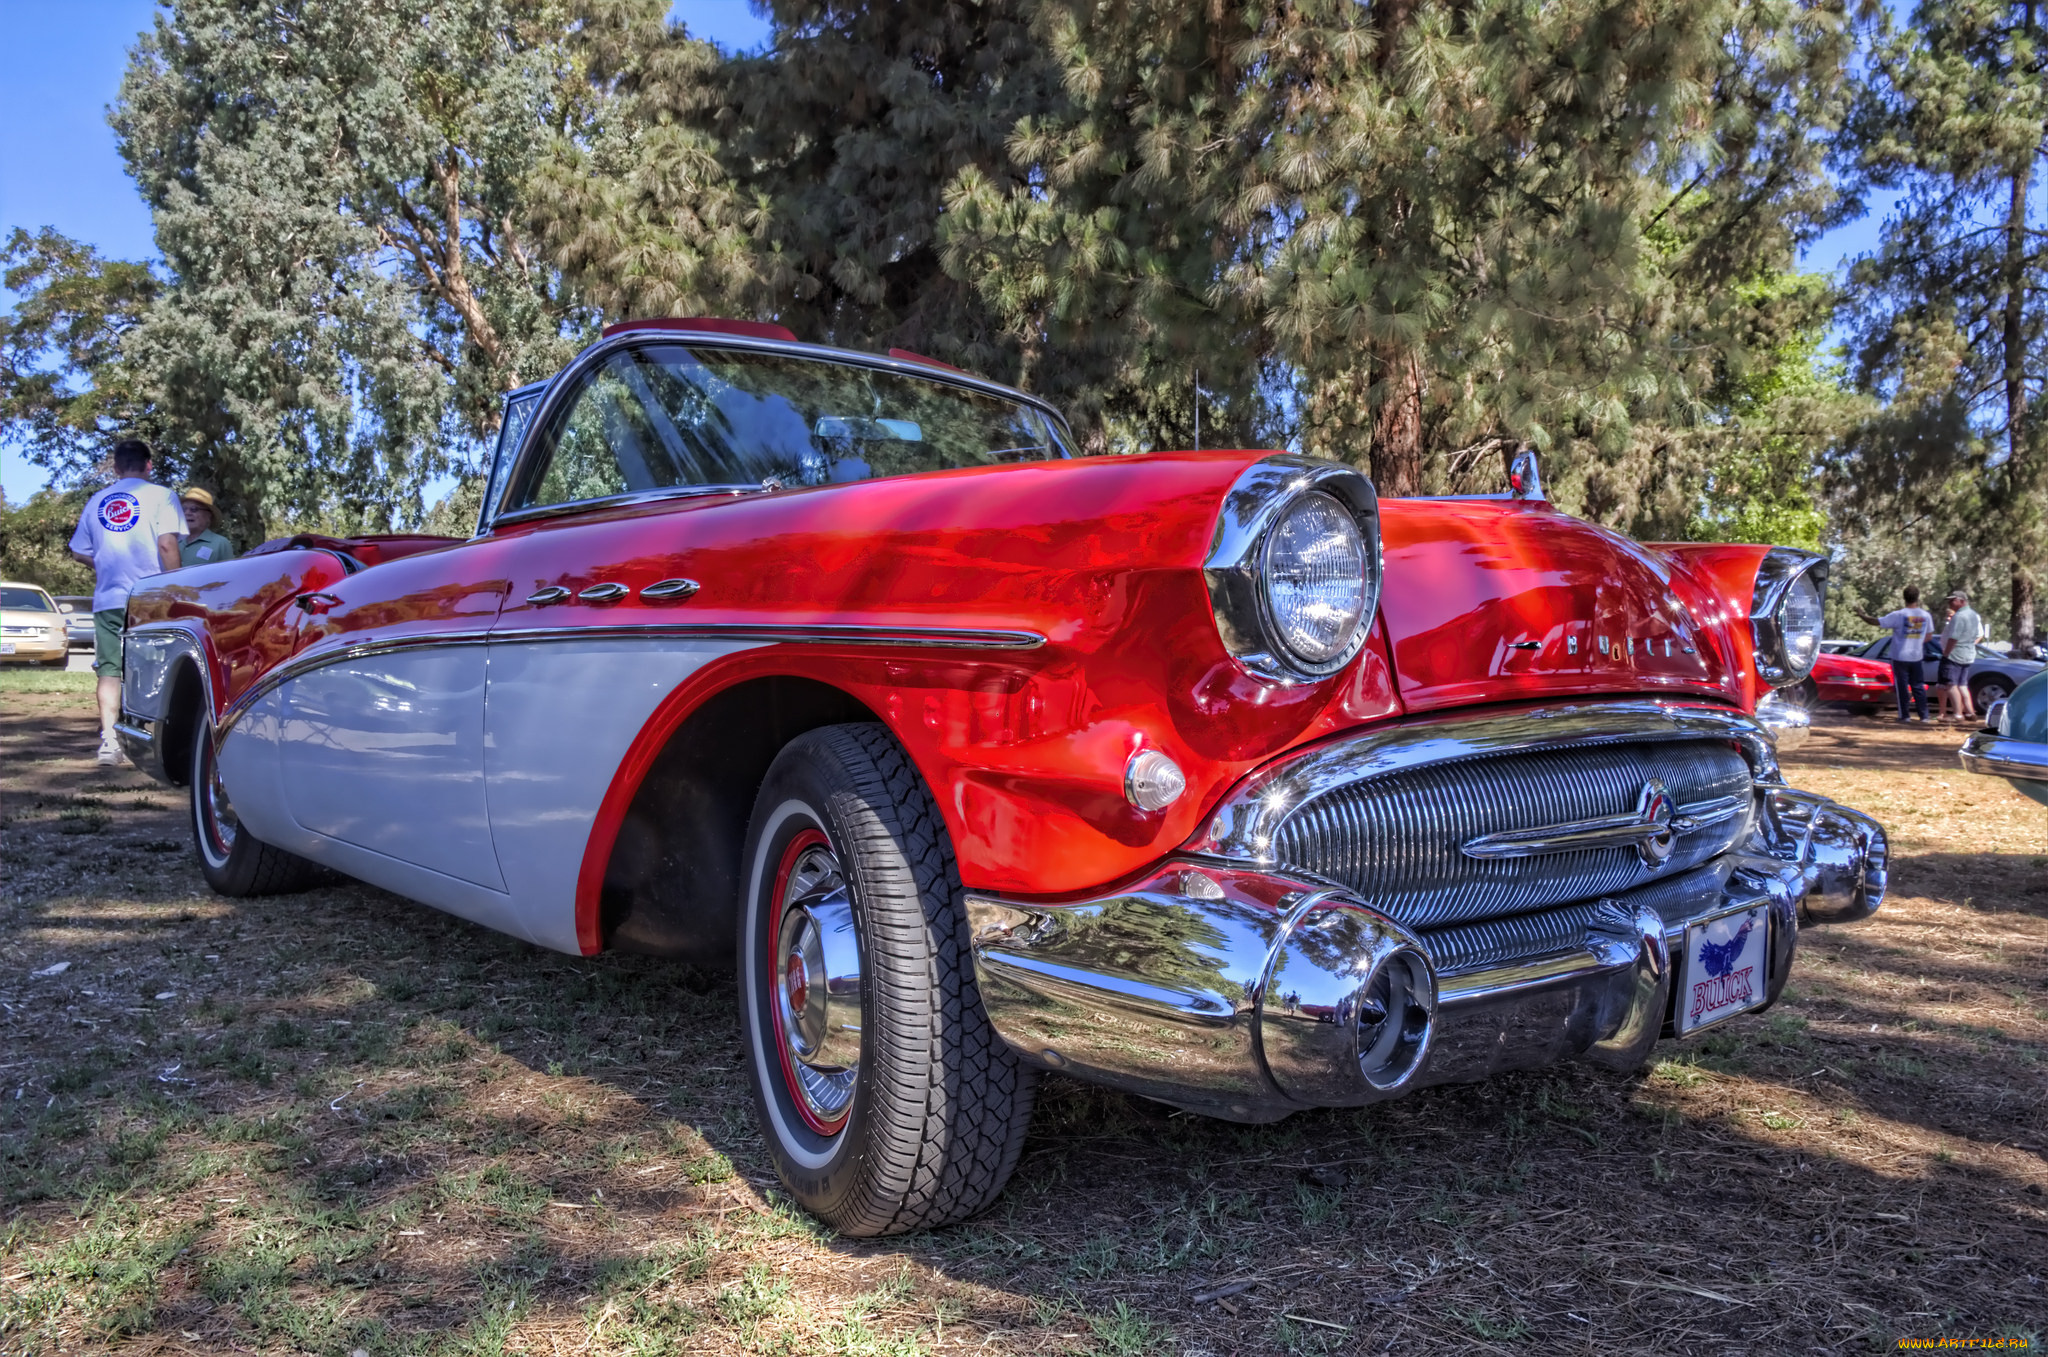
[(1314, 570), (1800, 622)]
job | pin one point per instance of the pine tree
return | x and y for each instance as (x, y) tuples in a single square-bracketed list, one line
[(1954, 113), (1449, 228), (804, 184)]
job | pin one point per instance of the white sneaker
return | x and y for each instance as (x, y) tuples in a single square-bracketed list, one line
[(110, 755)]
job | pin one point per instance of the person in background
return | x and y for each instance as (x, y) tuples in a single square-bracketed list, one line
[(128, 532), (1910, 627), (1958, 652), (202, 543)]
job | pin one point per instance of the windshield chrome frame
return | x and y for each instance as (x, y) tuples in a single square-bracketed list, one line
[(570, 379)]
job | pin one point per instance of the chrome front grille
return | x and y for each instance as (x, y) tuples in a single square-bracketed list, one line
[(1396, 838)]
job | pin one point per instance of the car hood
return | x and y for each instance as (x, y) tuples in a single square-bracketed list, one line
[(1484, 600)]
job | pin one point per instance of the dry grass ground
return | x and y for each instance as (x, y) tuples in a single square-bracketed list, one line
[(337, 1122)]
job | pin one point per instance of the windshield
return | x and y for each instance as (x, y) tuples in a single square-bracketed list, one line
[(669, 416), (26, 600)]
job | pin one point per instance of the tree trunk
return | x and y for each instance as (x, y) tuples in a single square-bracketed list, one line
[(1397, 428), (2023, 633), (2023, 514)]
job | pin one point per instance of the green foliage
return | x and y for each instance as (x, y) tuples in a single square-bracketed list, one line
[(1449, 230), (1413, 236), (64, 393), (1762, 484), (339, 200), (1951, 328), (35, 538)]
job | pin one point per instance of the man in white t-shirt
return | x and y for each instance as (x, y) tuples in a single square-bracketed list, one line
[(128, 532), (1959, 640), (1910, 627)]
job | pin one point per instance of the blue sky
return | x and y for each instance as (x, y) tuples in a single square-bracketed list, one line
[(60, 67)]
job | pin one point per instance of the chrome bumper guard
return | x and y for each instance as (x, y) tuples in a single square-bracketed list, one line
[(1787, 722), (1997, 755), (1247, 995)]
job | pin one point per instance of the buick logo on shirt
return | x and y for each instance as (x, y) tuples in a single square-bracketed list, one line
[(119, 512)]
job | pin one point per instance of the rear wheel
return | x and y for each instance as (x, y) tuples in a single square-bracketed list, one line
[(1989, 689), (234, 861), (887, 1100)]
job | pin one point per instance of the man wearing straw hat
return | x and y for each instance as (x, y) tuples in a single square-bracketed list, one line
[(202, 544)]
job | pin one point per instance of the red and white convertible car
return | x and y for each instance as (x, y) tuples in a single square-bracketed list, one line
[(1207, 776)]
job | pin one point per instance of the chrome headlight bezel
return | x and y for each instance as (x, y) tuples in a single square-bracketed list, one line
[(1782, 569), (1238, 594)]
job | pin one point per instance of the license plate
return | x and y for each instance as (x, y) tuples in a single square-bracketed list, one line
[(1726, 960), (6, 647)]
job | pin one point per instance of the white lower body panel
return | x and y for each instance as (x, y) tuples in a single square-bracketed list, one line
[(558, 720), (560, 717), (252, 770)]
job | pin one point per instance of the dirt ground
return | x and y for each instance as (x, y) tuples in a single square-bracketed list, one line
[(338, 1122)]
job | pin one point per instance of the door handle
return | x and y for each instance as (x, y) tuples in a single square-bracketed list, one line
[(554, 593), (316, 603)]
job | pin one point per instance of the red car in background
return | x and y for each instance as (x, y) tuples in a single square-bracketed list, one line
[(1206, 776), (1862, 687)]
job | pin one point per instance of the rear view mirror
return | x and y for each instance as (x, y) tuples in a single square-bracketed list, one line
[(869, 430)]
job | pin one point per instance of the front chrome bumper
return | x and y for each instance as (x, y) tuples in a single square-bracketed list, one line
[(1997, 755), (1247, 995)]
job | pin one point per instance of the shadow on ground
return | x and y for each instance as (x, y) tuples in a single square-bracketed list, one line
[(339, 1121)]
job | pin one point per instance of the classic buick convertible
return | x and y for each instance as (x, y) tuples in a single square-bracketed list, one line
[(1208, 776)]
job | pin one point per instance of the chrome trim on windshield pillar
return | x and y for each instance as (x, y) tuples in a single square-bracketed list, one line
[(1245, 825), (566, 385), (936, 638)]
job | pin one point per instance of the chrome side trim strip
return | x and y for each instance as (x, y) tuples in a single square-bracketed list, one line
[(1245, 826), (948, 638), (1999, 756)]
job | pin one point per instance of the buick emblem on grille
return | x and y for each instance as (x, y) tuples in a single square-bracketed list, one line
[(1652, 829)]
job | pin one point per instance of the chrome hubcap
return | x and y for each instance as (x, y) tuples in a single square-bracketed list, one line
[(817, 987), (216, 812)]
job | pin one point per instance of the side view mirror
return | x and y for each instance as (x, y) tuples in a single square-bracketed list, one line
[(64, 608)]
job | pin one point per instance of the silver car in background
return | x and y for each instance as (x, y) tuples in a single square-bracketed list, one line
[(1991, 679)]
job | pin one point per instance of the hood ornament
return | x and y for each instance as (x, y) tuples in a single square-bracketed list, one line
[(1652, 829), (1525, 478)]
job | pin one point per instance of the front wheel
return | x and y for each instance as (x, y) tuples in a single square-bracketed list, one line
[(234, 861), (887, 1100)]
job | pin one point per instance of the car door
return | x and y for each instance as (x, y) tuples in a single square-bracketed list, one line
[(585, 649), (381, 720)]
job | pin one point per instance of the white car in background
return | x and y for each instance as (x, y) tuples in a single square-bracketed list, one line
[(31, 627)]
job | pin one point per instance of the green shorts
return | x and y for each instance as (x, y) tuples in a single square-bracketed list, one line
[(107, 626)]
